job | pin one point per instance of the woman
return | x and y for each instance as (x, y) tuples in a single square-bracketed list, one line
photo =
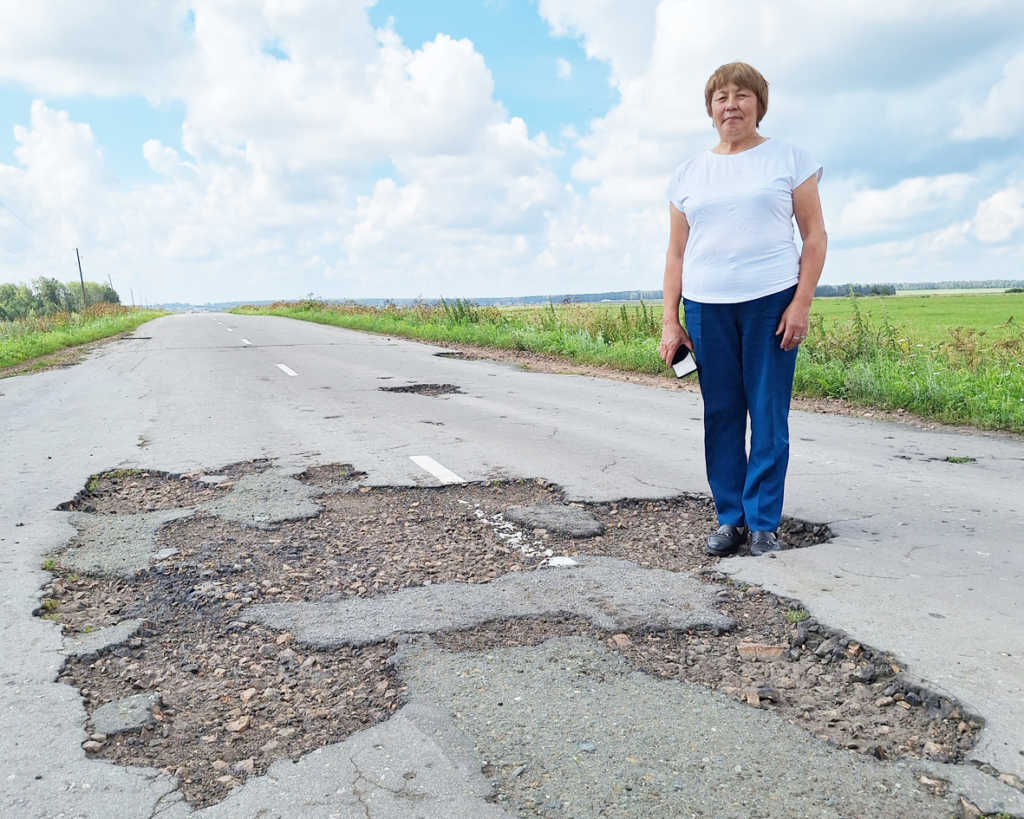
[(746, 295)]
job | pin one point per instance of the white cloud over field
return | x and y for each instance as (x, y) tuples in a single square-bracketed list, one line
[(319, 154)]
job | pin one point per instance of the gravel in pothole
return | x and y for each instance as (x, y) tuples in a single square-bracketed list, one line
[(432, 390), (233, 699), (121, 491), (236, 696), (332, 477)]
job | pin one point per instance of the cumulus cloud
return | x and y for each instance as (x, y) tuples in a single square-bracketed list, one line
[(1001, 215), (880, 210), (349, 164), (1001, 113)]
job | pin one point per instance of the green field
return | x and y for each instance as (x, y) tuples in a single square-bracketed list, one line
[(954, 358), (23, 340), (931, 316)]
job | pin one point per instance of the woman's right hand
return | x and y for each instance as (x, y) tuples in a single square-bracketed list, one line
[(673, 336)]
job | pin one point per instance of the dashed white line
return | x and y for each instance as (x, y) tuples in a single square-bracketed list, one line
[(246, 341), (442, 473), (230, 329), (287, 370)]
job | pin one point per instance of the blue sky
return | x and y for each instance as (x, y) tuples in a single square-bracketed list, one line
[(201, 150)]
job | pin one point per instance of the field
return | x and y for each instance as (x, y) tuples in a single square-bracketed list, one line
[(954, 358), (25, 340)]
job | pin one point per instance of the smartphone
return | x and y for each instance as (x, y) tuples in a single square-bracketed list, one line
[(683, 363)]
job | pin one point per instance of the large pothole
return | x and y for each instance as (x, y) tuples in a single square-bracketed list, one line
[(235, 695)]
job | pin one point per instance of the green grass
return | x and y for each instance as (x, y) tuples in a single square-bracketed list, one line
[(25, 339), (797, 615), (931, 317), (954, 358)]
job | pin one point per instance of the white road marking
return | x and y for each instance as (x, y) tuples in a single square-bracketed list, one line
[(287, 370), (246, 341), (442, 473), (231, 329)]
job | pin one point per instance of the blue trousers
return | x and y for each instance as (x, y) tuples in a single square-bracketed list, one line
[(743, 371)]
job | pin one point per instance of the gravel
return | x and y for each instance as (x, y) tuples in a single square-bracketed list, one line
[(236, 697)]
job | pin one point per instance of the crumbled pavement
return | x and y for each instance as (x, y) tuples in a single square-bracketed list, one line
[(569, 728), (89, 643), (259, 703), (264, 499), (611, 594), (125, 714), (565, 520), (119, 545), (415, 764)]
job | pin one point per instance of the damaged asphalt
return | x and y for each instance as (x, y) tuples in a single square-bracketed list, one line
[(606, 733)]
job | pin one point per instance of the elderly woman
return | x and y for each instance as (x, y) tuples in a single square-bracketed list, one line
[(746, 294)]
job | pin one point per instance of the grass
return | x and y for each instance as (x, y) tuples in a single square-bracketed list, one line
[(25, 339), (955, 359), (797, 615)]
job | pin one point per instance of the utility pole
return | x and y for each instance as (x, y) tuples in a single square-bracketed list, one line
[(81, 278)]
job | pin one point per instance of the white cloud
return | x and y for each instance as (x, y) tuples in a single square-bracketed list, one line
[(98, 47), (1001, 215), (563, 68), (874, 211), (1001, 114), (359, 166)]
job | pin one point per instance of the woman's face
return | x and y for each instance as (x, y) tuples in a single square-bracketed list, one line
[(734, 112)]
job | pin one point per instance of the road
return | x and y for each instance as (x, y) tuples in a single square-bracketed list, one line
[(928, 561)]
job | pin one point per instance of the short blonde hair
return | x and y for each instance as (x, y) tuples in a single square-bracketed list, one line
[(744, 76)]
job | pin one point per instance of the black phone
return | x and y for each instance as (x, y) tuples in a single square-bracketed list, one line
[(683, 363)]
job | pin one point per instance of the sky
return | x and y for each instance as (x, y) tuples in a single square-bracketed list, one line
[(229, 150)]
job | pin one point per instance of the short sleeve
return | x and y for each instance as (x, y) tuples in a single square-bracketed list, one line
[(676, 191), (804, 167)]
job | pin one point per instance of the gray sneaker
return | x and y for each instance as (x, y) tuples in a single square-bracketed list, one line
[(762, 542), (726, 540)]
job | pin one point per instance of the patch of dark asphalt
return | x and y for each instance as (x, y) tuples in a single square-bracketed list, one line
[(237, 696), (432, 390)]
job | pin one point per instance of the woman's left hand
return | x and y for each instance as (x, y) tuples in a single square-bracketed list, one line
[(793, 325)]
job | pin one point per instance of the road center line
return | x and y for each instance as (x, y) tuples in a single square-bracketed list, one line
[(287, 370), (230, 329), (246, 341), (442, 473)]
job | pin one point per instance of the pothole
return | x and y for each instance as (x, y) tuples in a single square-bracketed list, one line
[(234, 696), (432, 390), (332, 477), (461, 355), (121, 491)]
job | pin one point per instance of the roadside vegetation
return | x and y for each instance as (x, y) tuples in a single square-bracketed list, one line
[(955, 359), (25, 339)]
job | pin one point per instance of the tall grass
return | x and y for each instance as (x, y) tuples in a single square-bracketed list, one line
[(967, 377), (28, 338)]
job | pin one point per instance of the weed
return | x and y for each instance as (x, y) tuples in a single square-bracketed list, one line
[(25, 339), (960, 459), (49, 564), (797, 615), (51, 604)]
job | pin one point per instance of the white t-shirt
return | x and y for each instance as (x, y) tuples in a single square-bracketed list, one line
[(740, 211)]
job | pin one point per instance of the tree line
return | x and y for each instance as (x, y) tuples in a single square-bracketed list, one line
[(46, 296), (857, 290)]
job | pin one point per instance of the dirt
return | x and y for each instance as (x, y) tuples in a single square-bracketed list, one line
[(236, 697)]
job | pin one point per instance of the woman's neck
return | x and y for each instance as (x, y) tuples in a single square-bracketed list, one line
[(735, 146)]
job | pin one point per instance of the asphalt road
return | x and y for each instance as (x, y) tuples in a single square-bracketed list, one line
[(928, 562)]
